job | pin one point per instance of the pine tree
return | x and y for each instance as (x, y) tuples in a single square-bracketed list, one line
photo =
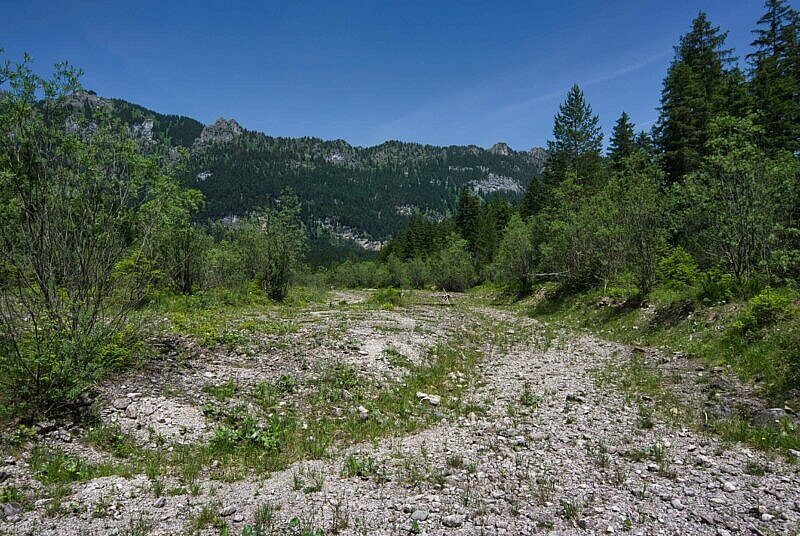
[(775, 79), (699, 85), (468, 211), (577, 140), (623, 140)]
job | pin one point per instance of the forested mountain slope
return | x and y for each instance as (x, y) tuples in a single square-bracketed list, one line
[(367, 193)]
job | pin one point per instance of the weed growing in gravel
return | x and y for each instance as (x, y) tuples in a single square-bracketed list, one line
[(207, 517), (223, 391), (528, 398), (569, 510), (644, 417), (600, 455), (364, 467), (755, 469), (545, 487), (456, 461), (137, 527)]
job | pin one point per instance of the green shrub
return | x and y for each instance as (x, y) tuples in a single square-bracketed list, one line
[(716, 287), (678, 268), (762, 310), (387, 298), (451, 268)]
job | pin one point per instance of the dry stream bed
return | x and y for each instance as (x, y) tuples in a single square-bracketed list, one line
[(342, 417)]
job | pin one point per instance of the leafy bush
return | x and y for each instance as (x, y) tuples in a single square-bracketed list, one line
[(388, 298), (762, 310), (515, 259), (678, 268), (451, 269), (716, 287)]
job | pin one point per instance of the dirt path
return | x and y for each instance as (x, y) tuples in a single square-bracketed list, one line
[(542, 445)]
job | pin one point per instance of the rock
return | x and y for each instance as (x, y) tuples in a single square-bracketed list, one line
[(500, 149), (572, 397), (433, 400), (45, 427), (160, 502), (453, 521), (121, 403), (10, 510), (131, 412), (767, 517), (795, 453), (770, 418), (227, 511), (363, 412), (42, 502), (677, 504), (220, 131), (4, 476), (238, 518), (729, 486), (419, 515)]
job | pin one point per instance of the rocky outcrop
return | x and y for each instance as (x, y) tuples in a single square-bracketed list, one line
[(500, 148), (538, 154), (222, 130)]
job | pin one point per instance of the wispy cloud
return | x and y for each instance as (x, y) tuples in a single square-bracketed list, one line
[(475, 107), (520, 106)]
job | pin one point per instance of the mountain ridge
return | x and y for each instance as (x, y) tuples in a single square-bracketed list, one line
[(370, 192)]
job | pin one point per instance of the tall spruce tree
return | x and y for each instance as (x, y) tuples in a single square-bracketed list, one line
[(577, 140), (622, 142), (699, 85), (468, 211), (775, 78), (575, 148)]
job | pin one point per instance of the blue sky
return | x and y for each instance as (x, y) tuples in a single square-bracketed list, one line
[(433, 72)]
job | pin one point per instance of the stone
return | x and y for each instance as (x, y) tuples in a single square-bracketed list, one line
[(770, 418), (729, 486), (160, 502), (419, 515), (121, 403), (453, 521), (433, 400), (677, 504), (10, 510), (131, 412), (227, 511)]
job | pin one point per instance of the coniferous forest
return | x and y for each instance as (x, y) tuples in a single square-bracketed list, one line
[(234, 284)]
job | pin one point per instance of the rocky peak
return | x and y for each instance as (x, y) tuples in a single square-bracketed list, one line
[(538, 154), (81, 99), (501, 149), (221, 130)]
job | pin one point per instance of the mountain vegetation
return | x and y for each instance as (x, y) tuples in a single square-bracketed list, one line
[(108, 207), (700, 211)]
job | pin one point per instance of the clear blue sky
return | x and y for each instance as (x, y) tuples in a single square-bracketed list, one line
[(429, 71)]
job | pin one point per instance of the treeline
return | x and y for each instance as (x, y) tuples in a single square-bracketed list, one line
[(91, 228), (371, 190), (706, 199)]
